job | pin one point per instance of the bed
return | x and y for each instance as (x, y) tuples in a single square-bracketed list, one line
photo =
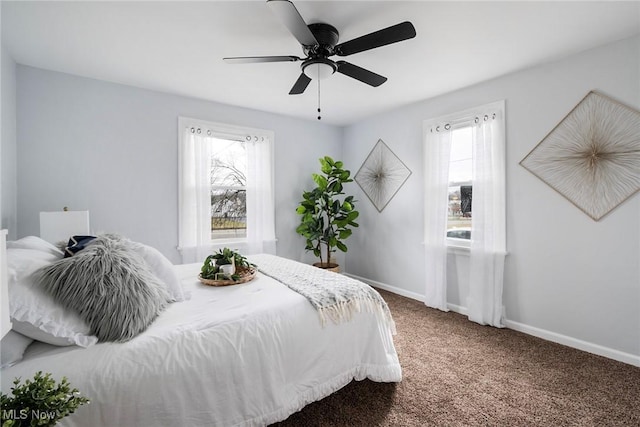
[(243, 355)]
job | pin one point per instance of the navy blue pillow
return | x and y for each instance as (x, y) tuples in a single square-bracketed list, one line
[(76, 244)]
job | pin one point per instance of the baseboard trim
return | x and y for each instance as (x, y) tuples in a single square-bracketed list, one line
[(607, 352), (457, 308), (393, 289), (599, 350)]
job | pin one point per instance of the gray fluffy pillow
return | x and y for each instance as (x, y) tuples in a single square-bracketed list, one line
[(110, 287)]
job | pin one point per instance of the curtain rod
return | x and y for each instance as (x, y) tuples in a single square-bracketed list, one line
[(462, 122), (228, 136)]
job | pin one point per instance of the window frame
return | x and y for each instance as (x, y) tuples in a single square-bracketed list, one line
[(459, 120), (230, 188), (228, 132), (460, 123)]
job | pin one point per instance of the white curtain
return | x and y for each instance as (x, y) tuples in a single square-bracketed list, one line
[(437, 151), (488, 235), (195, 197), (194, 231), (260, 198)]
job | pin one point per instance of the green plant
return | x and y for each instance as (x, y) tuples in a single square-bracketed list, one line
[(327, 220), (228, 256), (209, 268), (39, 402), (212, 263)]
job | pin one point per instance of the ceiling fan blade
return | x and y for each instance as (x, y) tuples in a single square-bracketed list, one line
[(300, 85), (359, 73), (254, 59), (291, 18), (395, 33)]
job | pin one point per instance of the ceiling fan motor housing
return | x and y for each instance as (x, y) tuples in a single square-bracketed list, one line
[(327, 37)]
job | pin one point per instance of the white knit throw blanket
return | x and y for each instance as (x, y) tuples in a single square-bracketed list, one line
[(333, 295)]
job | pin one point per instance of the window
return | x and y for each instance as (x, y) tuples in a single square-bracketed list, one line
[(464, 164), (228, 189), (456, 140), (225, 189), (460, 184)]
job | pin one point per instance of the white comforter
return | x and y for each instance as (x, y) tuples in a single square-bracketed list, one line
[(242, 355)]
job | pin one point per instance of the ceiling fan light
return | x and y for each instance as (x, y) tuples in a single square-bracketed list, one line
[(318, 70)]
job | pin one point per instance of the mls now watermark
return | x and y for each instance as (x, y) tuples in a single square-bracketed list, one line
[(26, 414)]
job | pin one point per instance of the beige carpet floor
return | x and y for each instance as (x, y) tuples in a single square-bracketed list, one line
[(458, 373)]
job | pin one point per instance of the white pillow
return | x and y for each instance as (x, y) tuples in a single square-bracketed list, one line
[(23, 262), (12, 348), (35, 243), (163, 269), (34, 312)]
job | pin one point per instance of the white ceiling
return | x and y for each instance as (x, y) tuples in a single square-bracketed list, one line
[(178, 46)]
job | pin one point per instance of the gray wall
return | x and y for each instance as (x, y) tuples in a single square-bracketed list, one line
[(567, 277), (113, 149), (8, 146)]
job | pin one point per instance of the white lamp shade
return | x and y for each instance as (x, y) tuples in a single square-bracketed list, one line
[(5, 318), (59, 226), (318, 70)]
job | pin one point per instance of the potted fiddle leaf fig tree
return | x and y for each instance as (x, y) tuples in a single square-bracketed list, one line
[(327, 217)]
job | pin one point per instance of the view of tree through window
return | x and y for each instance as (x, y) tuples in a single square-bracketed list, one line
[(228, 189), (460, 184)]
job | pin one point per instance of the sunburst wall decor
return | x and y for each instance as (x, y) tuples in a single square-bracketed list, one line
[(381, 175), (592, 157)]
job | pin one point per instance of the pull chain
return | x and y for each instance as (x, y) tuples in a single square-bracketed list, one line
[(319, 116)]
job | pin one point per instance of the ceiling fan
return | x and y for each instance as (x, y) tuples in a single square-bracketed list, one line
[(319, 42)]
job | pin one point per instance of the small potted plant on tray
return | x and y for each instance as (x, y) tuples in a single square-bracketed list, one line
[(226, 267)]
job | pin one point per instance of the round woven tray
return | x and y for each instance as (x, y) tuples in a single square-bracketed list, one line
[(246, 275)]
